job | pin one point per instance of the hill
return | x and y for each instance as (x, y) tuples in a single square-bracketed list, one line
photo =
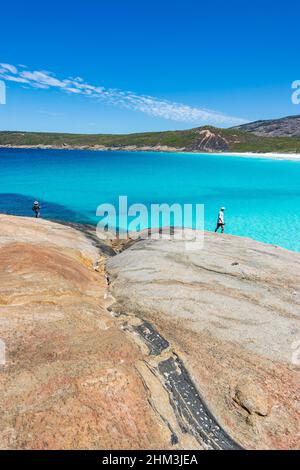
[(200, 139), (285, 127)]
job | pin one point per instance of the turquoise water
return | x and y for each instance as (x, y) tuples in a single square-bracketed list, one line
[(262, 196)]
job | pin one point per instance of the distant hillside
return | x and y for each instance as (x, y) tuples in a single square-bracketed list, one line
[(201, 139), (284, 127)]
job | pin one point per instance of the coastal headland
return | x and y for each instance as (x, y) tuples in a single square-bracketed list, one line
[(278, 138)]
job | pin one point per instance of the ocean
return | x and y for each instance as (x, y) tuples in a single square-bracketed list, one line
[(261, 196)]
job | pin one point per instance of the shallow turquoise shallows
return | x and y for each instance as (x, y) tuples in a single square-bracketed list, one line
[(262, 196)]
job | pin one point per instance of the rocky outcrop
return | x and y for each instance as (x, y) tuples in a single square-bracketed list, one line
[(71, 378), (230, 311), (209, 141), (284, 127), (156, 347)]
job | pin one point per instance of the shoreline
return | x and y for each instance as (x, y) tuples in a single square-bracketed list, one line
[(162, 149), (270, 155), (89, 230)]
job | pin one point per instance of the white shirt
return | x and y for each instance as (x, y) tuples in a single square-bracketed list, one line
[(221, 217)]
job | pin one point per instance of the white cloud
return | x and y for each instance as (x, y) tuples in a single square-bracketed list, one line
[(125, 99), (12, 78), (43, 78), (10, 68)]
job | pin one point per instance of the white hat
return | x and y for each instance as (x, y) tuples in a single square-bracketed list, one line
[(36, 203), (223, 208)]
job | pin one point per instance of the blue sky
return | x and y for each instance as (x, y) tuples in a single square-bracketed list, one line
[(146, 65)]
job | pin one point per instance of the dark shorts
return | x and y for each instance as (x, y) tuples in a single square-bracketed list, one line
[(218, 226)]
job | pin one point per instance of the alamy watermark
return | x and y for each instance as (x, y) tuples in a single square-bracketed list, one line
[(296, 93), (2, 353), (157, 221), (296, 352), (2, 92)]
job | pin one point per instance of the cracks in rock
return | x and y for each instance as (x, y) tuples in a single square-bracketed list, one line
[(244, 407), (226, 273), (155, 342), (89, 231), (173, 436), (191, 412), (230, 291)]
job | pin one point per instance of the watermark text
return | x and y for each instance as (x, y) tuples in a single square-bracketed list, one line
[(296, 93), (2, 92), (156, 221)]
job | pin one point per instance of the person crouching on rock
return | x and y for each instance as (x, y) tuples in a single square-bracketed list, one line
[(36, 209), (220, 220)]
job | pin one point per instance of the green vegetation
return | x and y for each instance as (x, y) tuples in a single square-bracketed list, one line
[(237, 140), (241, 141), (176, 138)]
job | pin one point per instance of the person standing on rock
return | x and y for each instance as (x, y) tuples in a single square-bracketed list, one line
[(36, 209), (220, 220)]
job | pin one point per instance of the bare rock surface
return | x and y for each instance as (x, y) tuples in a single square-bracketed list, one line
[(209, 141), (284, 127), (230, 311), (72, 378), (157, 347)]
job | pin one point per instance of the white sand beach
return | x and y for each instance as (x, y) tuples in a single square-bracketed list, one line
[(274, 156)]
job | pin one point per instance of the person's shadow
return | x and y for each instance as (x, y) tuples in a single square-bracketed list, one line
[(20, 204)]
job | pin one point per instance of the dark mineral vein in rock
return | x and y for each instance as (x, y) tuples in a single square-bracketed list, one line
[(156, 343), (190, 409), (193, 415)]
